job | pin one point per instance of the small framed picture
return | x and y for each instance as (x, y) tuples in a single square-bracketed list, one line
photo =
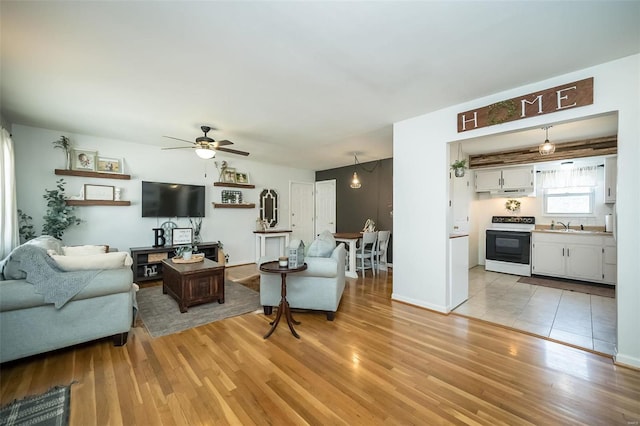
[(242, 178), (99, 192), (229, 175), (182, 236), (83, 159), (109, 165)]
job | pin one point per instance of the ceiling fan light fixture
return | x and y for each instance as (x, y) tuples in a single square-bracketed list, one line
[(546, 147), (205, 153)]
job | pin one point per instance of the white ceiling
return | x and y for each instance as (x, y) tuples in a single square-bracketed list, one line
[(303, 84)]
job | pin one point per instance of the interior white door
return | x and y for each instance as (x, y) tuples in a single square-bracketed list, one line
[(301, 211), (325, 206)]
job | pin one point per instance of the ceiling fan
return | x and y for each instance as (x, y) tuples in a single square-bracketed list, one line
[(206, 147)]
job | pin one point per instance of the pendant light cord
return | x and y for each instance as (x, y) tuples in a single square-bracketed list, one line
[(364, 168)]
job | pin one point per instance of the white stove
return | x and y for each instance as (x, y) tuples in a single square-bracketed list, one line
[(508, 244)]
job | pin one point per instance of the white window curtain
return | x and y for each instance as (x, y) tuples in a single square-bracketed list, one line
[(570, 178), (9, 237)]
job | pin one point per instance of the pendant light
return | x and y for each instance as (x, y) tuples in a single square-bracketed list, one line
[(355, 182), (546, 147)]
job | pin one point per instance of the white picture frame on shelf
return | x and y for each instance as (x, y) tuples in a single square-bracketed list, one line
[(83, 159), (181, 236), (109, 165), (242, 178), (99, 192)]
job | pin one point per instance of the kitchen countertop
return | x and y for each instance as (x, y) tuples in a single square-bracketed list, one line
[(454, 235), (594, 230)]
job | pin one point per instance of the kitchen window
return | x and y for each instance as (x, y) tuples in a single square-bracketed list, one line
[(569, 201)]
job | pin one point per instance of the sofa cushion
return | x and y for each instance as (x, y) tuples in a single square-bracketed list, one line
[(84, 250), (92, 261), (322, 246)]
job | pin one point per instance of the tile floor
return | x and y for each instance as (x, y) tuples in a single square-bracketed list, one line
[(580, 319)]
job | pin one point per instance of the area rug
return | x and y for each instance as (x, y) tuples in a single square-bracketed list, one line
[(252, 282), (571, 285), (49, 408), (161, 316)]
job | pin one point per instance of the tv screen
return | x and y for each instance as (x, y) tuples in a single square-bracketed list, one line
[(172, 200)]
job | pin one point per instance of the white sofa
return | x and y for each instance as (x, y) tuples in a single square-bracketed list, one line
[(318, 288)]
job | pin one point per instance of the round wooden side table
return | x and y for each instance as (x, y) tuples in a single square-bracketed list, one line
[(283, 308)]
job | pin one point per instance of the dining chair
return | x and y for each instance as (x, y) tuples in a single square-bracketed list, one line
[(380, 252), (365, 253)]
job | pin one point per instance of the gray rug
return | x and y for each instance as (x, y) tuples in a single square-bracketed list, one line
[(161, 315), (50, 408)]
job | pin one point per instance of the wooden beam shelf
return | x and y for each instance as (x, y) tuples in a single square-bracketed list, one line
[(234, 205), (234, 185), (89, 173), (97, 203)]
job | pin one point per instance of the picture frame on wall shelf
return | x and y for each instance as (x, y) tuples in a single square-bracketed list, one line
[(99, 192), (83, 159), (109, 165), (229, 175), (181, 236), (242, 178)]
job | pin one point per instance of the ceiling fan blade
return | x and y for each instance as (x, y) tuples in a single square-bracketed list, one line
[(181, 147), (223, 143), (178, 139), (232, 151)]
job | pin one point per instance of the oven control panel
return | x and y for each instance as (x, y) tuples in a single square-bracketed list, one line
[(528, 220)]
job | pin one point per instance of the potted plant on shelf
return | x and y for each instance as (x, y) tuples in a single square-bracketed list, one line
[(65, 144), (459, 167)]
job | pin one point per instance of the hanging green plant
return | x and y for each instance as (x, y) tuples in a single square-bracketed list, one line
[(59, 215)]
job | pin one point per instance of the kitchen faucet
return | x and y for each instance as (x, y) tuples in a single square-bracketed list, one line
[(566, 227)]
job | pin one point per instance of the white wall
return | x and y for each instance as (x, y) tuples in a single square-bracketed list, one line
[(420, 216), (123, 227)]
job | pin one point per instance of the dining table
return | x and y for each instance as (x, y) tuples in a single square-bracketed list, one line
[(351, 239)]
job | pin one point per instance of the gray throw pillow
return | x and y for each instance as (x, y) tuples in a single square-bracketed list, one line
[(322, 246)]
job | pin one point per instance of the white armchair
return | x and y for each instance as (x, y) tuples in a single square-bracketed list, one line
[(319, 287)]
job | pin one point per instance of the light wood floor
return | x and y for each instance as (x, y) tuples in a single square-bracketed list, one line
[(379, 362)]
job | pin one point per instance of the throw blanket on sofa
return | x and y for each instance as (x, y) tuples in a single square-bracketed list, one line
[(57, 286)]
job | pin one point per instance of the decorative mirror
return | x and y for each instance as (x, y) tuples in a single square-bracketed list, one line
[(269, 207)]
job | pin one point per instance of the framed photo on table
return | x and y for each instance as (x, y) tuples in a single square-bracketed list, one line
[(99, 192), (83, 159), (109, 165), (181, 236)]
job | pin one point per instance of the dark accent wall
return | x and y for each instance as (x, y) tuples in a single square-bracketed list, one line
[(373, 200)]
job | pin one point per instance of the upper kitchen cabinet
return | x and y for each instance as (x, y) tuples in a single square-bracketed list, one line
[(514, 179), (610, 173)]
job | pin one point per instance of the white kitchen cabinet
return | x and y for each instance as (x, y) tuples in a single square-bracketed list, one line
[(576, 256), (458, 270), (610, 179), (506, 179), (488, 180), (610, 261)]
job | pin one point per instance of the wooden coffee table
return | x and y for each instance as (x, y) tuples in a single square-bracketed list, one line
[(283, 308), (193, 283)]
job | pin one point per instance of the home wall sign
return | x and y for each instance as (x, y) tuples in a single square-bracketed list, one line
[(567, 96)]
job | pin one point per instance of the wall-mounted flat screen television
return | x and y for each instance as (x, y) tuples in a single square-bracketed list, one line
[(172, 200)]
